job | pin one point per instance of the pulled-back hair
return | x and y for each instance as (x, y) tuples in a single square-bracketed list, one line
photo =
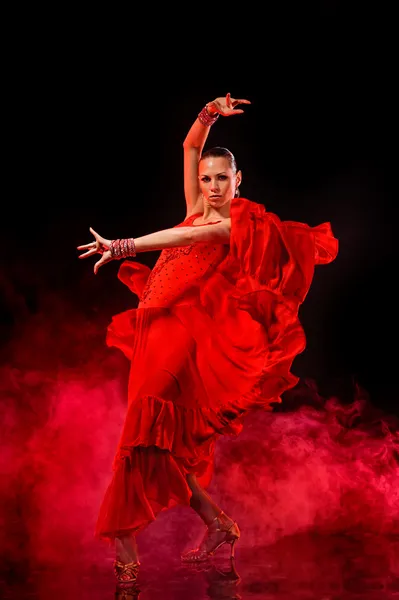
[(219, 151)]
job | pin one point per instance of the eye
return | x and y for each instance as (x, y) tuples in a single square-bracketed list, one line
[(205, 178), (222, 177)]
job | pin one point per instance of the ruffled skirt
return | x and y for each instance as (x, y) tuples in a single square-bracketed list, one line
[(188, 385)]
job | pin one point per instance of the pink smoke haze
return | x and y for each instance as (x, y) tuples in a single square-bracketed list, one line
[(315, 465)]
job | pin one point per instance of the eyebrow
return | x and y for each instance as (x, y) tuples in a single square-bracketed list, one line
[(221, 173)]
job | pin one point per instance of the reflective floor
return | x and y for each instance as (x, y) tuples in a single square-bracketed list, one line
[(300, 567)]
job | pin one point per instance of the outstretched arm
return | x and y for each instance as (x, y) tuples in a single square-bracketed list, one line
[(218, 233), (194, 144), (184, 236)]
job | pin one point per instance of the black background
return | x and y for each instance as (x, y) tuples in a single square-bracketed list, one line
[(99, 106)]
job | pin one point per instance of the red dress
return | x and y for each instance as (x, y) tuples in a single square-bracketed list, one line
[(214, 335)]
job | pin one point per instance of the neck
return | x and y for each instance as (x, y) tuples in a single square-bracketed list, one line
[(213, 214)]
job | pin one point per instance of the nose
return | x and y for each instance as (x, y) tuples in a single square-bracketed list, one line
[(214, 186)]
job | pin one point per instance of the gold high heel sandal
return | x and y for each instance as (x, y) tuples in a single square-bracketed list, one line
[(126, 572), (208, 547)]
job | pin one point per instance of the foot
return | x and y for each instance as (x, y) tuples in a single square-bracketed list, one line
[(126, 573), (222, 530)]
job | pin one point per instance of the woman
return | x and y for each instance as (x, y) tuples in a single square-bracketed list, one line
[(214, 336)]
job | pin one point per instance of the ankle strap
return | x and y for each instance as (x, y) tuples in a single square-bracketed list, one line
[(216, 518), (122, 565)]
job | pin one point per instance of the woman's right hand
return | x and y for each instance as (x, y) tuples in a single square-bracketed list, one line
[(99, 246), (226, 106)]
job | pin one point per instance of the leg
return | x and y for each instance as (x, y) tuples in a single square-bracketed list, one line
[(203, 504), (220, 528), (126, 549), (127, 562)]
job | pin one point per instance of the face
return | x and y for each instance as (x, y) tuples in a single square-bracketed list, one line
[(217, 180)]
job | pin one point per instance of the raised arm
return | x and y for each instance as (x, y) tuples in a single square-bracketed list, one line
[(192, 147), (194, 144), (218, 233)]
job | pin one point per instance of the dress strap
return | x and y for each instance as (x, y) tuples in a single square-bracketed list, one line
[(190, 220)]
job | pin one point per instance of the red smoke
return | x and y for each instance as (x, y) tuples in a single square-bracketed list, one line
[(316, 464)]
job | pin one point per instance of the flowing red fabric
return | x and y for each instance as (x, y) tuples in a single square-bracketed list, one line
[(214, 335)]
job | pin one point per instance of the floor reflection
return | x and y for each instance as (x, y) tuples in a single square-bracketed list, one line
[(301, 567), (220, 583)]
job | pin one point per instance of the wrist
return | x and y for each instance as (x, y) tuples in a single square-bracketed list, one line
[(206, 118), (211, 110), (123, 248)]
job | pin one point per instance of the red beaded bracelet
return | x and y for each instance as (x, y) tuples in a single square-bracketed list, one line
[(123, 248), (206, 119)]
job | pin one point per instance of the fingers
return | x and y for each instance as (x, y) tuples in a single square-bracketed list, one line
[(99, 264), (241, 101), (85, 246), (99, 239), (231, 103), (88, 253), (92, 244), (106, 257), (232, 112)]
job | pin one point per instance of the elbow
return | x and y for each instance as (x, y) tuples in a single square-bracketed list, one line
[(191, 145)]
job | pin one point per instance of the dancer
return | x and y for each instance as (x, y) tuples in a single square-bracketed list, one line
[(213, 336)]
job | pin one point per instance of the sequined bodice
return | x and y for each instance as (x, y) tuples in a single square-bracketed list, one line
[(177, 274)]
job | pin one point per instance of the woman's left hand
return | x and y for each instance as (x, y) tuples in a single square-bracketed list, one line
[(226, 106), (99, 246)]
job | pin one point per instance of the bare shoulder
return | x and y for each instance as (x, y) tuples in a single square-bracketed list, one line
[(225, 222)]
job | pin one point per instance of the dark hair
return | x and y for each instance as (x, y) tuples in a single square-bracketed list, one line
[(219, 151)]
